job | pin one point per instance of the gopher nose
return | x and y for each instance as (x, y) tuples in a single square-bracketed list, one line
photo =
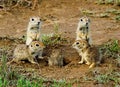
[(86, 23), (38, 23)]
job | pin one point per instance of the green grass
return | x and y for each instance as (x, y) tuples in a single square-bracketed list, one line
[(112, 2), (10, 77), (112, 13), (117, 18), (87, 12), (105, 1), (113, 77), (53, 38), (23, 82), (115, 13), (111, 48), (8, 5), (104, 15)]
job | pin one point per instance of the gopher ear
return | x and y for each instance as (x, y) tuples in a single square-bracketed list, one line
[(43, 46), (37, 45)]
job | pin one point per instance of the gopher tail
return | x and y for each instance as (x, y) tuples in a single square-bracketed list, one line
[(92, 65)]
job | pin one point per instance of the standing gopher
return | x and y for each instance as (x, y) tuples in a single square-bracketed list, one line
[(83, 29), (33, 30)]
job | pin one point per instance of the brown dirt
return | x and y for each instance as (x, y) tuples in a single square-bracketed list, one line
[(66, 13)]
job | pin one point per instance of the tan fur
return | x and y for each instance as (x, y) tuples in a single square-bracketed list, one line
[(82, 31), (33, 30), (89, 54), (22, 52), (56, 58)]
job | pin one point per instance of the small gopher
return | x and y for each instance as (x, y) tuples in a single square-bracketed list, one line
[(23, 52), (56, 58), (89, 54)]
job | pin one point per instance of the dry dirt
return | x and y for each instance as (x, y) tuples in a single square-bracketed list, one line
[(66, 14)]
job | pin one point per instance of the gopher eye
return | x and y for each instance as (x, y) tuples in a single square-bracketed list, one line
[(81, 19), (37, 45), (32, 19), (31, 46), (80, 29), (77, 43)]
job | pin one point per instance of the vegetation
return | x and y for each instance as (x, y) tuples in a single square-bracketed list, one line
[(111, 49), (104, 15), (10, 77), (108, 77), (111, 12), (53, 38), (112, 2), (9, 4), (117, 18)]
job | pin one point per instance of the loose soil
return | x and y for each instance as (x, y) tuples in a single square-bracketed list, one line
[(66, 14)]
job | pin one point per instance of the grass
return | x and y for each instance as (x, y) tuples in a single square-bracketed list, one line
[(10, 77), (105, 1), (112, 2), (7, 75), (104, 15), (114, 12), (87, 12), (23, 82), (9, 4), (117, 18), (111, 48), (108, 78), (53, 38)]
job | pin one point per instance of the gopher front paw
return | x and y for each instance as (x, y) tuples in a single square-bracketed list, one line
[(88, 63), (81, 62), (41, 57)]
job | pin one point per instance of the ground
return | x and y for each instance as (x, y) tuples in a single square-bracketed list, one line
[(66, 14)]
